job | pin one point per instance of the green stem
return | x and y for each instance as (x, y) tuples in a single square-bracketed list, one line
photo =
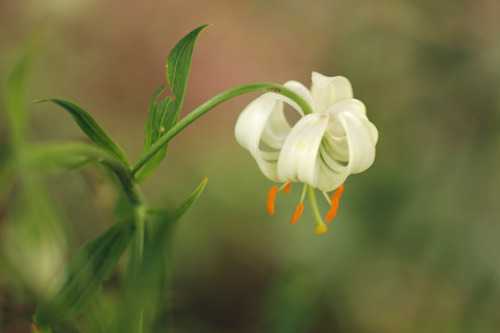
[(210, 104), (135, 264)]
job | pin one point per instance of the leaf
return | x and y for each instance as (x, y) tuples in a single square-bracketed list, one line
[(90, 127), (67, 155), (15, 90), (80, 280), (148, 288), (175, 215), (163, 115)]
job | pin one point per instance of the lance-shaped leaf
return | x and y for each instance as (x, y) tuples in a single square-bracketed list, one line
[(67, 155), (15, 90), (80, 280), (90, 127), (173, 215), (148, 288), (164, 114)]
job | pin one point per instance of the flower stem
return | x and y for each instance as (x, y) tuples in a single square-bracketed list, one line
[(135, 265), (210, 104)]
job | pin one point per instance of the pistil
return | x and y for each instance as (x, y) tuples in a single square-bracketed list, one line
[(321, 227)]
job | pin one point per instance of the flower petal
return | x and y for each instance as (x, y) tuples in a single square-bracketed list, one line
[(332, 171), (298, 158), (329, 90), (250, 127), (276, 128), (358, 108), (354, 152), (301, 90), (359, 133)]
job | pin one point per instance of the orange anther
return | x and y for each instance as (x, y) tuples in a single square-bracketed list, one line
[(334, 203), (338, 192), (298, 212), (271, 197), (321, 229), (287, 187), (332, 212)]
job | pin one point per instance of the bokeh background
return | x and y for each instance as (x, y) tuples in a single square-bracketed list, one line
[(416, 244)]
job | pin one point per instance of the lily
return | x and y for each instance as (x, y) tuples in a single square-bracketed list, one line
[(321, 150)]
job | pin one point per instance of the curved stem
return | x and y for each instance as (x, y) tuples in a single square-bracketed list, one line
[(210, 104)]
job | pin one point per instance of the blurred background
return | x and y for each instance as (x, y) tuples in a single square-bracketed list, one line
[(416, 244)]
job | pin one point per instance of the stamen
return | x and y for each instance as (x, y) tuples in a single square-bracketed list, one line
[(303, 193), (326, 197), (287, 187), (300, 207), (334, 203), (271, 197), (298, 212)]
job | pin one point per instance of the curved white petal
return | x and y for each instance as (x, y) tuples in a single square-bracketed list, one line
[(359, 138), (298, 157), (276, 128), (267, 162), (351, 105), (348, 145), (301, 90), (251, 125), (252, 121), (329, 90), (329, 180)]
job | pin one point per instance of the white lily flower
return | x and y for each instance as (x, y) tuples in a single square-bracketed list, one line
[(321, 150)]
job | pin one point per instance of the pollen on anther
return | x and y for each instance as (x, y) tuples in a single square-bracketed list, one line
[(334, 203), (298, 212), (271, 197), (287, 187), (162, 129)]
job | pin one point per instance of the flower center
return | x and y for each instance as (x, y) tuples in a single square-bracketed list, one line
[(320, 227)]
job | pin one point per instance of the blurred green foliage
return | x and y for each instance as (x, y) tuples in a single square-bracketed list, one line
[(415, 245)]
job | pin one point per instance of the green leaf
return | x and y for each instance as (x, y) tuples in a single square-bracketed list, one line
[(164, 114), (67, 155), (15, 90), (175, 214), (90, 127), (147, 289), (80, 280)]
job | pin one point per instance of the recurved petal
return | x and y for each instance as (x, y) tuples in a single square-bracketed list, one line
[(298, 158), (301, 90), (263, 119), (329, 90), (348, 145), (276, 128), (333, 159), (267, 162), (252, 121), (360, 139), (357, 108)]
